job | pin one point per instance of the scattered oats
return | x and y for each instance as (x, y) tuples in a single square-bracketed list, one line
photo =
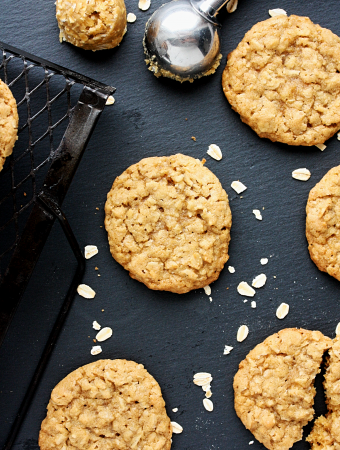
[(215, 152), (227, 349), (238, 186), (208, 404), (206, 387), (202, 381), (302, 174), (251, 442), (104, 333), (257, 214), (131, 18), (242, 333), (282, 311), (264, 261), (110, 100), (96, 325), (85, 291), (253, 304), (207, 289), (175, 410), (259, 281), (96, 349), (244, 289), (144, 5), (321, 147), (176, 428), (277, 12), (208, 394), (337, 329), (231, 269), (232, 6), (90, 250)]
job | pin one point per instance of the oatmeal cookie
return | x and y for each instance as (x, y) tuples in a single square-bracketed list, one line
[(8, 122), (326, 431), (91, 24), (108, 404), (168, 222), (284, 81), (274, 391), (322, 223)]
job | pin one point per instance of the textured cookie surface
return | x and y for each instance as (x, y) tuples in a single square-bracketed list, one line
[(8, 122), (326, 431), (91, 24), (322, 223), (284, 81), (274, 391), (106, 405), (168, 221)]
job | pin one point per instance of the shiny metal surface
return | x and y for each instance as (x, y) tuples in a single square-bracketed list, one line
[(183, 38)]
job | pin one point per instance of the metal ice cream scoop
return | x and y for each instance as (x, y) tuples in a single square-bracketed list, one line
[(182, 39)]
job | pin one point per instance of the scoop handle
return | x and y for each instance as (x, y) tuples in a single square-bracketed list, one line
[(209, 8)]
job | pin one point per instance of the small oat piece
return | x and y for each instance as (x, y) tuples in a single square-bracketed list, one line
[(231, 269), (302, 174), (144, 5), (251, 442), (85, 291), (131, 18), (208, 404), (321, 147), (215, 152), (259, 281), (227, 349), (90, 250), (110, 100), (202, 381), (208, 393), (176, 428), (96, 349), (244, 289), (202, 375), (253, 304), (96, 326), (207, 290), (242, 333), (337, 329), (104, 333), (282, 311), (264, 261), (257, 214), (238, 186), (232, 6), (174, 409), (338, 136), (206, 387), (277, 12)]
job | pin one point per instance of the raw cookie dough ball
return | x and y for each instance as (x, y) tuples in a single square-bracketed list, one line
[(92, 24), (8, 122), (168, 221)]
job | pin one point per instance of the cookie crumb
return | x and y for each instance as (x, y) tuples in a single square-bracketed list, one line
[(227, 349), (131, 18), (176, 428), (193, 138), (242, 333), (259, 281), (96, 349), (85, 291), (282, 311), (110, 100), (215, 152), (208, 404), (96, 326), (238, 186), (244, 289), (90, 251), (231, 269), (302, 174), (277, 12), (257, 214)]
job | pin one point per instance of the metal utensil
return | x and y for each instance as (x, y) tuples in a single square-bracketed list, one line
[(182, 39)]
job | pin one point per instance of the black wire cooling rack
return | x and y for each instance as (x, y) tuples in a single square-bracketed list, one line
[(58, 110)]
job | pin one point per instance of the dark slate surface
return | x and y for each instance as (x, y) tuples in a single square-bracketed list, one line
[(173, 335)]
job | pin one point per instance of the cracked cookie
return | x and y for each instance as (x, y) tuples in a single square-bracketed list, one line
[(8, 122), (108, 404), (284, 81), (168, 222), (322, 223), (274, 386)]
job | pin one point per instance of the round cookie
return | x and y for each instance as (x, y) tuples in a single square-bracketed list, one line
[(91, 24), (322, 223), (8, 122), (274, 392), (108, 404), (284, 81), (168, 222)]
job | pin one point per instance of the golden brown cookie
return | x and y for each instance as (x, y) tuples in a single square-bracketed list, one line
[(108, 404), (326, 431), (91, 24), (8, 122), (284, 81), (168, 222), (322, 223), (274, 391)]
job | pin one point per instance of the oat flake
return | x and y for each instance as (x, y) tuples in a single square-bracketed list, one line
[(253, 304), (282, 311), (104, 333), (174, 409), (257, 214), (207, 290), (95, 325), (338, 136), (85, 291), (144, 5), (201, 375), (96, 349), (206, 387), (277, 12), (90, 250), (264, 261), (321, 147), (232, 6), (131, 18), (231, 269), (215, 152), (242, 333), (251, 442), (176, 428), (202, 381), (208, 394), (208, 404), (238, 186), (227, 349), (244, 289), (110, 101), (302, 174), (259, 281)]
